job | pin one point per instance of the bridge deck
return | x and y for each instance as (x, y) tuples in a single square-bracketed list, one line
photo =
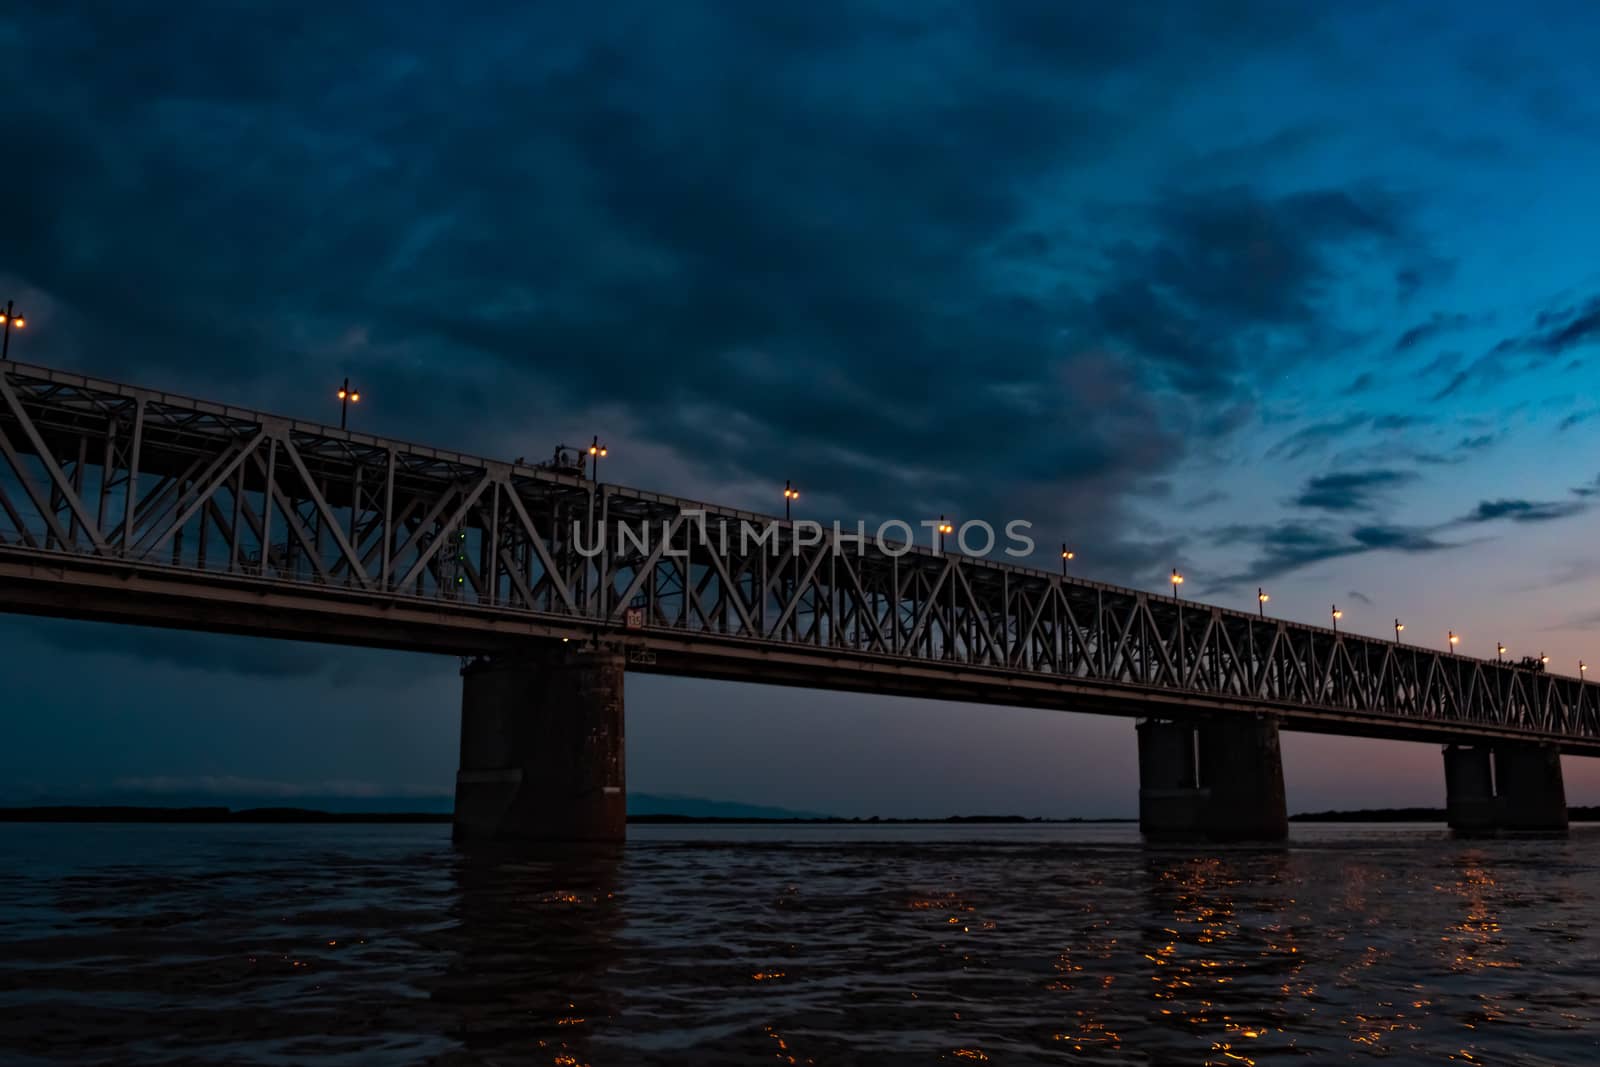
[(139, 506)]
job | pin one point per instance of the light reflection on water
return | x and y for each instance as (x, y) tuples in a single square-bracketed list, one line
[(881, 945)]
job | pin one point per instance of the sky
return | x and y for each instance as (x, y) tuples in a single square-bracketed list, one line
[(1301, 297)]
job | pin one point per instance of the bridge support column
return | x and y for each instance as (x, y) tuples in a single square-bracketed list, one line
[(542, 748), (1509, 787), (1469, 789), (1532, 793), (1241, 763), (1170, 800), (1220, 778)]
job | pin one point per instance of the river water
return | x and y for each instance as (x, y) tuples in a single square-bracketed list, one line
[(731, 945)]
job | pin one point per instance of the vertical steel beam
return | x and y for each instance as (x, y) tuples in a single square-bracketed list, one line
[(131, 498)]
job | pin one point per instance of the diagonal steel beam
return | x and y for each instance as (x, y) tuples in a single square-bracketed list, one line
[(551, 571), (40, 503), (52, 468), (211, 481), (329, 520), (455, 520), (291, 517)]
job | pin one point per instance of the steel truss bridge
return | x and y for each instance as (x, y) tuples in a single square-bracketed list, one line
[(139, 506)]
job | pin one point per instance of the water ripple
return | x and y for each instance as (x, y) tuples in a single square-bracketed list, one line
[(885, 945)]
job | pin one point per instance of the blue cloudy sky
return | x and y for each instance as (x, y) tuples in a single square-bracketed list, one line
[(1302, 296)]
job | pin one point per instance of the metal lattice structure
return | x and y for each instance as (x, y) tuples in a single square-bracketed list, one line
[(140, 506)]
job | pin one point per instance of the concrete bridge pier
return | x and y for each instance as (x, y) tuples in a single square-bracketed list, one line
[(542, 747), (1170, 800), (1219, 778), (1509, 786)]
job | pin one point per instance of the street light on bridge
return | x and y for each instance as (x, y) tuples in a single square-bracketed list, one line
[(1337, 615), (597, 452), (945, 528), (1177, 580), (1582, 666), (347, 396), (1398, 626), (790, 495), (1261, 601), (1499, 650), (1066, 555), (10, 319), (1455, 639)]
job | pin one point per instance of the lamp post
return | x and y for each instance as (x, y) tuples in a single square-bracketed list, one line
[(10, 318), (1398, 626), (1337, 615), (945, 529), (1066, 555), (790, 495), (1582, 666), (597, 452), (1261, 601), (1499, 651), (347, 396), (1455, 639), (1177, 580)]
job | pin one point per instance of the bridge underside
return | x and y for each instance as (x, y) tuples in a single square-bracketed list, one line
[(89, 588)]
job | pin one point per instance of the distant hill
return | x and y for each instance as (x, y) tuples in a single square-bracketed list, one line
[(703, 808), (124, 813), (435, 804)]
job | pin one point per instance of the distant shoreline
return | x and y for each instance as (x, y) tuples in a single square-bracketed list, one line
[(1577, 814), (65, 813), (58, 813)]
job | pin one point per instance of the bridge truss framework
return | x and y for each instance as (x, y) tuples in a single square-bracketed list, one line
[(141, 506)]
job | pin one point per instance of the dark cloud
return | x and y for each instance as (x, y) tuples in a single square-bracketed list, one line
[(1439, 323), (1557, 331), (1522, 510), (1359, 598), (1350, 490), (1399, 538), (1399, 421), (1363, 383), (1289, 546), (1232, 274), (1316, 437), (1575, 419), (1263, 260), (1486, 369), (1319, 436), (1580, 327), (1443, 363)]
